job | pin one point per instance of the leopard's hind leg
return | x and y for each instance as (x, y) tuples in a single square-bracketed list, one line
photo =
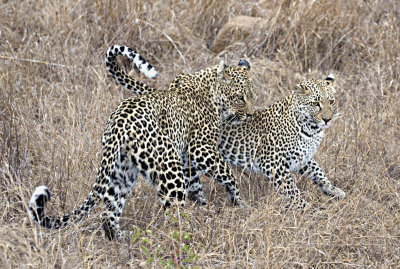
[(121, 181)]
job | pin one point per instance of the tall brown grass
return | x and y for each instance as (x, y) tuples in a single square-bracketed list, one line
[(55, 97)]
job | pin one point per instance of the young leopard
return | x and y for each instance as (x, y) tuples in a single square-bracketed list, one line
[(281, 140), (155, 135)]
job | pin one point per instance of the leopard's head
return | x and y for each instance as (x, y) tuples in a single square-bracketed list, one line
[(237, 90), (316, 100)]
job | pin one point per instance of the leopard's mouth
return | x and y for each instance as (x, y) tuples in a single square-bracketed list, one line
[(323, 125), (234, 119)]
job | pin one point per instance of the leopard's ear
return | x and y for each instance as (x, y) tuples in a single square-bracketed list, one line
[(221, 71), (301, 89), (330, 81), (245, 63)]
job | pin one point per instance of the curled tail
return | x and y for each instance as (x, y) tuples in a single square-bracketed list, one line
[(121, 77), (38, 200)]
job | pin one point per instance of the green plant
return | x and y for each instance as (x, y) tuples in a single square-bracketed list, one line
[(178, 251)]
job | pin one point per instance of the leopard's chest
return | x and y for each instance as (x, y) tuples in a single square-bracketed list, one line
[(304, 151)]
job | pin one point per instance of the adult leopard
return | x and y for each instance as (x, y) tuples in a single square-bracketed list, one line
[(281, 140), (156, 134)]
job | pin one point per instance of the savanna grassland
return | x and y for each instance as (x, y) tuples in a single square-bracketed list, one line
[(55, 97)]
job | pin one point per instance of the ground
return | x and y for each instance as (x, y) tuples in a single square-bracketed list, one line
[(55, 97)]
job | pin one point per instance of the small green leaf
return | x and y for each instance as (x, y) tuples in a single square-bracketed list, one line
[(186, 236), (145, 250), (150, 260), (136, 235), (176, 235), (185, 248)]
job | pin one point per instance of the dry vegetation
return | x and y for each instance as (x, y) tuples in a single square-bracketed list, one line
[(55, 97)]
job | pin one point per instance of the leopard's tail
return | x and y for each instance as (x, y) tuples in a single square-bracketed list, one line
[(121, 77), (41, 195)]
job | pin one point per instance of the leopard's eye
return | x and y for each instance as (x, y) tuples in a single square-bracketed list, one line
[(241, 98), (316, 104)]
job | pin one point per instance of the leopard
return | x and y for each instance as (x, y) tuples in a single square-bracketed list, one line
[(155, 134), (281, 140)]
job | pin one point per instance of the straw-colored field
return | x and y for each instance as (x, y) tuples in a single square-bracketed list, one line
[(55, 97)]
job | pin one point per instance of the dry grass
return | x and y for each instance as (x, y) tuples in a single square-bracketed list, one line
[(55, 98)]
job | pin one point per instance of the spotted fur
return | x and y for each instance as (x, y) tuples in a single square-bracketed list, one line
[(281, 140), (156, 134)]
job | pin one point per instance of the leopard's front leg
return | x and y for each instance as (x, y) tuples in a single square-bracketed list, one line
[(208, 161), (317, 175), (193, 185), (284, 183)]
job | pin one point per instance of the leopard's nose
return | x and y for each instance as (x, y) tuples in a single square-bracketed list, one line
[(250, 110), (326, 120)]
